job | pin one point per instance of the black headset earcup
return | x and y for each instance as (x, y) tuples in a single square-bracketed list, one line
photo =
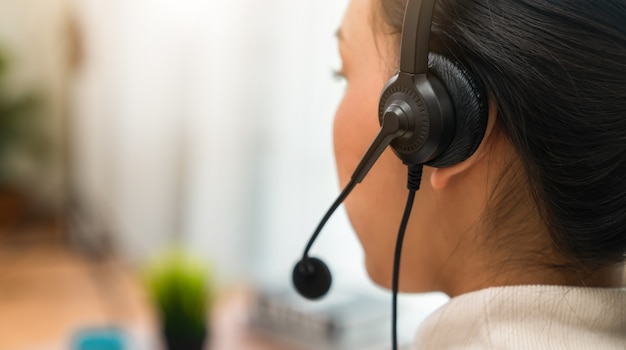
[(470, 106)]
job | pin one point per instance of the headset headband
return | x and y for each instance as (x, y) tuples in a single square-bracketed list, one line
[(416, 36)]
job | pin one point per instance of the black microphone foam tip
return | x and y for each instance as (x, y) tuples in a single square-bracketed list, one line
[(311, 278)]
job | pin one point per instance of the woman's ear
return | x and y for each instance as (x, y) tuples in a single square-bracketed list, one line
[(440, 177)]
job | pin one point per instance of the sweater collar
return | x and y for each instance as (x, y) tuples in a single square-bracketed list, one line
[(529, 317)]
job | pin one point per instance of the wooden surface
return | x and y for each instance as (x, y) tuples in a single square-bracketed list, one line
[(49, 292)]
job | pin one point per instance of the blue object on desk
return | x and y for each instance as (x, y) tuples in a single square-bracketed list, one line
[(99, 339)]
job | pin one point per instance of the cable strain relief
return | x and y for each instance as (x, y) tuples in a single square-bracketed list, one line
[(414, 178)]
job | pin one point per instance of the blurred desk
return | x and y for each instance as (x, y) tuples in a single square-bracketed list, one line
[(49, 292)]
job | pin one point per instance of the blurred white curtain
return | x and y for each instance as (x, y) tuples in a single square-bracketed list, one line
[(210, 122)]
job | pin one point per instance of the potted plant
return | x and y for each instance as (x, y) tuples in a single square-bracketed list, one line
[(182, 292), (23, 146)]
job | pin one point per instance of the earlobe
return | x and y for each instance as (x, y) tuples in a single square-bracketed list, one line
[(440, 177)]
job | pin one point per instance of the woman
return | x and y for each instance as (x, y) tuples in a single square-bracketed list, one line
[(528, 235)]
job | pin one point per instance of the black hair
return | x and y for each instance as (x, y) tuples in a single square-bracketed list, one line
[(556, 71)]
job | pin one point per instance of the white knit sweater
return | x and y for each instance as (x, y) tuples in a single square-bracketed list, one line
[(529, 317)]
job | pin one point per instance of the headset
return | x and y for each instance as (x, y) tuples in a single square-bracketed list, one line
[(432, 112)]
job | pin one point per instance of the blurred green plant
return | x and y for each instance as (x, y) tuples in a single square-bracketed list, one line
[(22, 142), (182, 291)]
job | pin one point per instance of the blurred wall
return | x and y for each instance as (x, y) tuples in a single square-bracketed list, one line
[(210, 122)]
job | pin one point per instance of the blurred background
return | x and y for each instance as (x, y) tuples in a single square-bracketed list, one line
[(129, 128)]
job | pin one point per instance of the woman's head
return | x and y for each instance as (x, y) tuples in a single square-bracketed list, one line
[(547, 186)]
